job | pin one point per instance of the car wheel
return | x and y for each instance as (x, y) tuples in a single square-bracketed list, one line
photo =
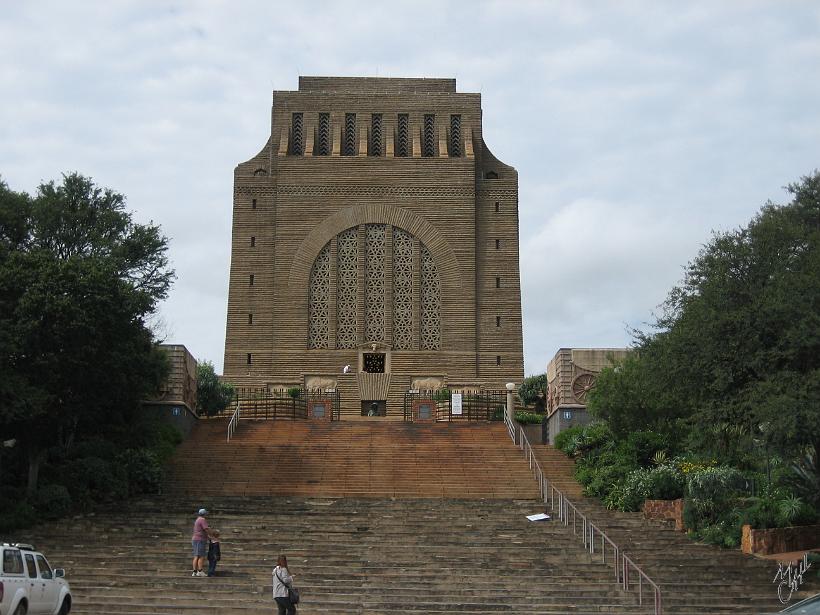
[(65, 607), (21, 609)]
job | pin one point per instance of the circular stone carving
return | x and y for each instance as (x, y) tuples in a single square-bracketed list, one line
[(581, 386)]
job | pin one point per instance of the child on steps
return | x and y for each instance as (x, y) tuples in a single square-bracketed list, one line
[(214, 552)]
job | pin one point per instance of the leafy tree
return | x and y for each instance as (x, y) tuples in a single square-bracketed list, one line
[(735, 355), (212, 395), (78, 278), (533, 389)]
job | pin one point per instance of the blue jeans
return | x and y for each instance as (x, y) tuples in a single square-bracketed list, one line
[(211, 567)]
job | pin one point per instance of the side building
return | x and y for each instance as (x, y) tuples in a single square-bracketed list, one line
[(375, 229), (571, 374)]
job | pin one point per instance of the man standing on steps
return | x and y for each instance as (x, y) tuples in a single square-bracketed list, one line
[(199, 543)]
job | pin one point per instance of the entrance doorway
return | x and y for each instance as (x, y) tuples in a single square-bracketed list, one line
[(374, 407)]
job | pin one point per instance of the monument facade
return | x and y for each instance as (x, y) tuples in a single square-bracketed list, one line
[(375, 246)]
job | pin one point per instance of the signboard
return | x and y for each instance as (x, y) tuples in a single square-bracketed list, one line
[(455, 403)]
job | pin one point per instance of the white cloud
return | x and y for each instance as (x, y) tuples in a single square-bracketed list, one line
[(636, 127)]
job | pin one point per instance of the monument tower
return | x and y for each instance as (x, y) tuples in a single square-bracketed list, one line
[(375, 229)]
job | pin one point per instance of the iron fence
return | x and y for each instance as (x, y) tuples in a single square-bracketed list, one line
[(443, 405), (295, 403)]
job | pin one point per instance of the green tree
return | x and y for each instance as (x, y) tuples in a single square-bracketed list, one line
[(212, 395), (735, 354), (531, 387), (78, 278)]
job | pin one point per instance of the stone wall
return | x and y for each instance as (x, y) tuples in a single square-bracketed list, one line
[(670, 511), (780, 540)]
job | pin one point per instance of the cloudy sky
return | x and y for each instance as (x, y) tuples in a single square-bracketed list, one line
[(637, 128)]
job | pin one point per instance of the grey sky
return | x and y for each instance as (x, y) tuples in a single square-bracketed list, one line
[(636, 127)]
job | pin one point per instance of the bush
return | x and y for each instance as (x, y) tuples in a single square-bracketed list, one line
[(94, 479), (143, 469), (52, 502), (568, 440), (441, 395), (722, 534), (712, 490), (643, 445), (660, 483), (529, 418), (20, 515)]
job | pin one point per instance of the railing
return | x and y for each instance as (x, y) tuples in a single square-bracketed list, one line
[(296, 403), (437, 405), (234, 422), (590, 533)]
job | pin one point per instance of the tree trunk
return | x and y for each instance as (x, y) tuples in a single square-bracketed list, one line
[(35, 458)]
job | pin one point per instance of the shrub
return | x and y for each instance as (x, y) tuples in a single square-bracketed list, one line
[(52, 501), (643, 445), (666, 483), (94, 479), (712, 490), (529, 418), (567, 440), (294, 392), (143, 469), (165, 441), (441, 395), (21, 515), (95, 447)]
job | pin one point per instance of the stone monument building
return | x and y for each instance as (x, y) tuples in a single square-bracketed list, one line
[(374, 230)]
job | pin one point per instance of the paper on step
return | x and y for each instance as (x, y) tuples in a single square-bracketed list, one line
[(538, 517)]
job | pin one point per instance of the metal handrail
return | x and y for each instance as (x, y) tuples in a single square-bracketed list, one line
[(549, 493), (234, 422)]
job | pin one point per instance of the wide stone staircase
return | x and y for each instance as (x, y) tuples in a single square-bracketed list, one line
[(377, 518), (352, 459)]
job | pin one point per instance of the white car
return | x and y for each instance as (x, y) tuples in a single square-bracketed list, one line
[(28, 585)]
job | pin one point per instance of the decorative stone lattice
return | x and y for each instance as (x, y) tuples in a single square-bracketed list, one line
[(428, 148), (430, 302), (455, 136), (402, 290), (374, 250), (376, 135), (349, 148), (346, 288), (319, 305), (323, 140), (403, 136), (296, 135)]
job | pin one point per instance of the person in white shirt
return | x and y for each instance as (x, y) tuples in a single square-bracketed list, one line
[(281, 580)]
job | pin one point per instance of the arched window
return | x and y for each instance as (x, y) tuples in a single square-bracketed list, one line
[(413, 279)]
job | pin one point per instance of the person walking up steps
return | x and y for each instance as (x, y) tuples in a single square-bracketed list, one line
[(199, 543), (282, 581)]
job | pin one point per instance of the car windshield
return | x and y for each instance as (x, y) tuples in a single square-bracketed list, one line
[(810, 606)]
